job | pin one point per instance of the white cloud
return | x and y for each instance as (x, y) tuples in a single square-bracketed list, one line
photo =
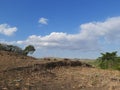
[(109, 29), (60, 40), (89, 37), (7, 42), (43, 21), (7, 30)]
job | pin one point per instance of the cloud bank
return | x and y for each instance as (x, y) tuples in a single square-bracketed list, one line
[(5, 29), (90, 37)]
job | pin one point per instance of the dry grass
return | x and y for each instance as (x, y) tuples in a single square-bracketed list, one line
[(26, 73)]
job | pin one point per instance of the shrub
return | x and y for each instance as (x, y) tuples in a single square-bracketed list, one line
[(11, 48), (109, 61), (29, 49)]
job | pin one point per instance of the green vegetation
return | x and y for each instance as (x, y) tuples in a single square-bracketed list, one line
[(11, 48), (29, 49), (109, 61)]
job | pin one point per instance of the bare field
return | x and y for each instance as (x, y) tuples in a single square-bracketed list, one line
[(27, 73)]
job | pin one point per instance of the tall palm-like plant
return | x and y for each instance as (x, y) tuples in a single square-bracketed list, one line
[(107, 59), (108, 55)]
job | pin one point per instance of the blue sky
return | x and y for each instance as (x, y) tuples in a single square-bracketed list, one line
[(62, 28)]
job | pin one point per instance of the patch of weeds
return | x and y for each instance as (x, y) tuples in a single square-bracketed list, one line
[(94, 82)]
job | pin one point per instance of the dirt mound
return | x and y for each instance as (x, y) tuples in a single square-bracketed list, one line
[(62, 63), (49, 65)]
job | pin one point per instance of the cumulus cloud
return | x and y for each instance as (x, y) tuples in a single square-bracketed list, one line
[(60, 40), (89, 37), (109, 29), (7, 30), (43, 21)]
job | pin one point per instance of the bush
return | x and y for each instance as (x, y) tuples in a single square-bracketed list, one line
[(11, 48), (29, 49), (109, 61)]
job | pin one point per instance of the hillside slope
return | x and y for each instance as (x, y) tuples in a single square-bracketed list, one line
[(19, 72), (11, 60)]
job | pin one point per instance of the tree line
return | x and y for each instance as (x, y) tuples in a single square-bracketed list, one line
[(11, 48)]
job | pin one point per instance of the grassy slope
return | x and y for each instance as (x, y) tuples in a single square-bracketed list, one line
[(31, 77)]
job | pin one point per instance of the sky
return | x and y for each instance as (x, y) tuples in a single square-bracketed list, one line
[(62, 28)]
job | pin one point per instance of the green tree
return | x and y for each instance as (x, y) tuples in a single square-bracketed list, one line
[(108, 60), (29, 49), (3, 47), (108, 56)]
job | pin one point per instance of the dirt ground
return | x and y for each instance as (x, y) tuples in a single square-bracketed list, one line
[(27, 73)]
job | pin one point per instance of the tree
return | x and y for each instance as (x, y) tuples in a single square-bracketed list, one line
[(15, 49), (29, 49), (11, 48), (108, 56), (3, 47), (107, 60)]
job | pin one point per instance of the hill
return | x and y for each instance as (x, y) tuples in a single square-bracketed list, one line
[(19, 72)]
